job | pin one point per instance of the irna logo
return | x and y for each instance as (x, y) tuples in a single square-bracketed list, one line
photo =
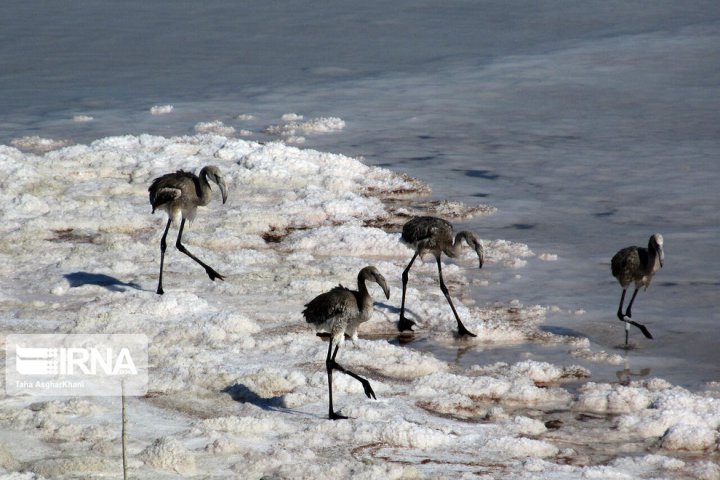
[(93, 364), (73, 361)]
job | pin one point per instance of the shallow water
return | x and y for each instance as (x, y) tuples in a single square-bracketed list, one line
[(637, 363), (588, 127)]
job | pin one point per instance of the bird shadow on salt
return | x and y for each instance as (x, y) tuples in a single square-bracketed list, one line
[(241, 393), (80, 279), (388, 307), (395, 310)]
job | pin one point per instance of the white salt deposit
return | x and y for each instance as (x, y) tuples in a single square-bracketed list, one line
[(291, 117), (217, 127), (409, 435), (36, 144), (238, 385), (690, 437), (521, 447), (167, 453), (607, 398), (295, 126), (581, 349), (543, 372), (457, 210), (161, 109), (508, 254)]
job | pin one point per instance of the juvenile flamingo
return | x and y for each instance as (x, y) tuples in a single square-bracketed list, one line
[(636, 264), (340, 312), (179, 194), (435, 235)]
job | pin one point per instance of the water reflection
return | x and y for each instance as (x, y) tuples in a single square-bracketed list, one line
[(466, 355), (626, 375)]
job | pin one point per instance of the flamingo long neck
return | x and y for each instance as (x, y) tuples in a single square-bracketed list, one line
[(653, 260), (365, 300), (205, 193), (454, 250)]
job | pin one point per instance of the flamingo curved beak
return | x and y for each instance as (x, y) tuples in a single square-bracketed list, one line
[(223, 189), (480, 254), (383, 284)]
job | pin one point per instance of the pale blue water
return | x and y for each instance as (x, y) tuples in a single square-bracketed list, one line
[(589, 125)]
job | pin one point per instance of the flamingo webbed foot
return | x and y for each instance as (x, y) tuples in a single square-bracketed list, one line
[(368, 390), (336, 416), (213, 274), (464, 332), (644, 331), (405, 324)]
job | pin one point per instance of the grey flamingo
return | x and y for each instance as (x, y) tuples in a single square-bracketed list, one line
[(179, 194), (340, 312), (435, 235), (636, 264)]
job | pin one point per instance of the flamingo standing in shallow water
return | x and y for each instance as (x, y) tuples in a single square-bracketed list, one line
[(636, 264), (435, 235)]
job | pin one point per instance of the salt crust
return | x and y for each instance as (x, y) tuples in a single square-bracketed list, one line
[(296, 126), (217, 127), (161, 109), (167, 453)]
